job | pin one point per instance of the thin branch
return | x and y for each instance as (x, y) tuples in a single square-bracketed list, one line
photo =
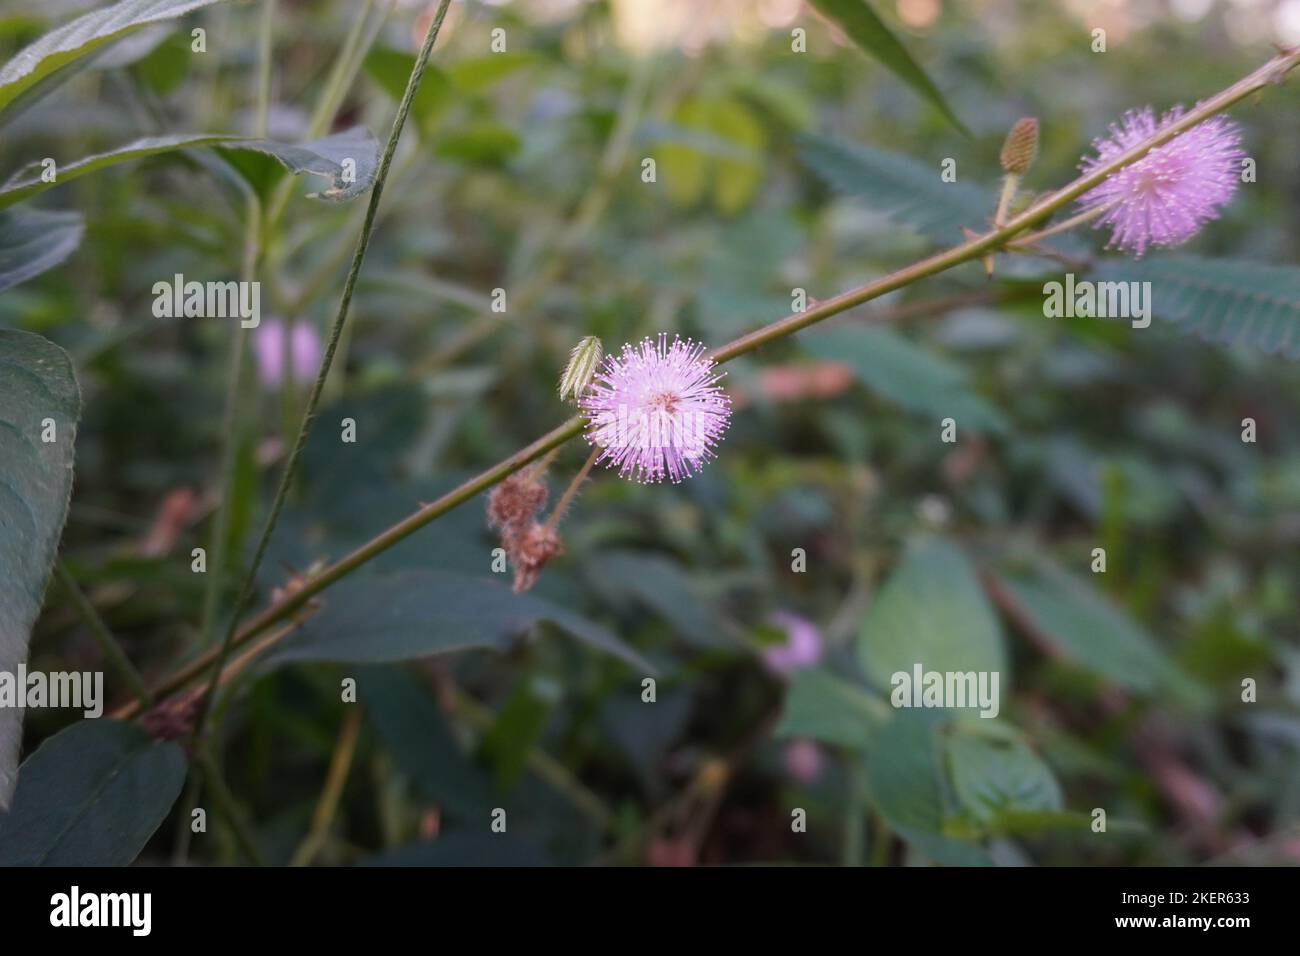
[(107, 643), (335, 778), (286, 477), (1274, 71)]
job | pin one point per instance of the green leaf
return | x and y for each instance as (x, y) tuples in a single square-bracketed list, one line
[(518, 727), (821, 705), (861, 24), (712, 142), (991, 776), (1221, 300), (479, 74), (390, 69), (908, 375), (660, 584), (39, 399), (931, 611), (1090, 631), (33, 240), (909, 192), (91, 795), (418, 735), (737, 180), (483, 143), (56, 57), (348, 160), (414, 613), (904, 775)]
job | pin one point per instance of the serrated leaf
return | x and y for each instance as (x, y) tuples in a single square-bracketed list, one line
[(54, 58), (932, 612), (1221, 300), (91, 795), (327, 157), (862, 25), (37, 390), (909, 192), (908, 375), (33, 240), (415, 613)]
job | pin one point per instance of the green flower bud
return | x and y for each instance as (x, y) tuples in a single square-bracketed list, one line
[(583, 362)]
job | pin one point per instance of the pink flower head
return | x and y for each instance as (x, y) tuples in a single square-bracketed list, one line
[(1166, 196), (802, 647), (305, 351), (656, 410)]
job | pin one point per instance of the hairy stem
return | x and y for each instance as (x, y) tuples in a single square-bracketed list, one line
[(571, 492)]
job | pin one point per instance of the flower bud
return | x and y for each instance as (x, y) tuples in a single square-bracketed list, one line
[(583, 362), (1021, 147)]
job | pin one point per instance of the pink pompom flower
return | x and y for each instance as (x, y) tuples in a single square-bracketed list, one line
[(305, 350), (1170, 193), (656, 410)]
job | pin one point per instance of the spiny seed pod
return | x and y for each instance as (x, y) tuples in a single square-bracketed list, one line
[(1021, 147), (530, 552), (512, 504), (583, 362)]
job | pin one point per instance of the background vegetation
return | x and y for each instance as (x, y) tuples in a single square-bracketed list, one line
[(776, 170)]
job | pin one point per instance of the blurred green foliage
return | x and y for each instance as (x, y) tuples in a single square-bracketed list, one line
[(775, 171)]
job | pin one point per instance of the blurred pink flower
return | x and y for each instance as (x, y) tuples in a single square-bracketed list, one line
[(305, 350), (802, 647), (1170, 193), (803, 760)]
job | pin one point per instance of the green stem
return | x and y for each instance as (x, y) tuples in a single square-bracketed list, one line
[(570, 492), (107, 643), (265, 38), (1274, 71), (286, 476), (342, 74), (1010, 183), (221, 523), (1065, 225)]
